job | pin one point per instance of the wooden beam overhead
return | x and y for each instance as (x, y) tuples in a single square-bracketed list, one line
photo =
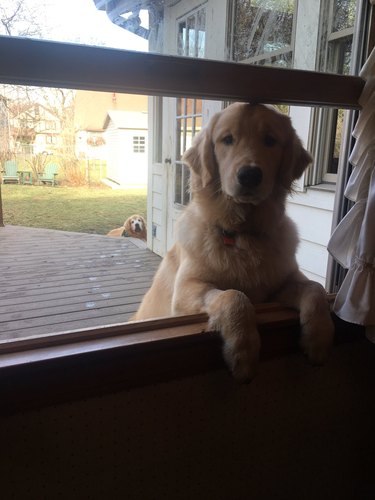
[(53, 64)]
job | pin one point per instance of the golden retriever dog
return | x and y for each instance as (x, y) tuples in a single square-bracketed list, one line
[(235, 245), (134, 226)]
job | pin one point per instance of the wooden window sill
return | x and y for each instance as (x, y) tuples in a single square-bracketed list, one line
[(88, 363)]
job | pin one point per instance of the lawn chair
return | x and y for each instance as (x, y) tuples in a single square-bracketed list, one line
[(49, 174), (10, 172)]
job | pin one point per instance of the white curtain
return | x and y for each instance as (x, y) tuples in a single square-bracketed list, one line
[(353, 242)]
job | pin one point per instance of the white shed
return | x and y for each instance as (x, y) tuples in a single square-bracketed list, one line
[(126, 135)]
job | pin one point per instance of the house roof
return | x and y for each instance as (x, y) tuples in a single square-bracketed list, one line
[(132, 120), (91, 108)]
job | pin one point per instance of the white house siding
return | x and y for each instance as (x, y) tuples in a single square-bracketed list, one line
[(312, 212)]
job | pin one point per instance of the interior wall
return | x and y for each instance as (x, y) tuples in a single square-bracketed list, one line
[(295, 432)]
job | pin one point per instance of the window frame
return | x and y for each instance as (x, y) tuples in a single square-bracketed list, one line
[(324, 121), (39, 373), (181, 173)]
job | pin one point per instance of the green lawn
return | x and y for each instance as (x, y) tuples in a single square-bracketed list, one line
[(80, 209)]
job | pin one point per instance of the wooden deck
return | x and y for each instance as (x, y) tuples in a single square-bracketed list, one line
[(53, 281)]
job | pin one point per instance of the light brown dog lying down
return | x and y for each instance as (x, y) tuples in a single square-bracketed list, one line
[(235, 244), (134, 226)]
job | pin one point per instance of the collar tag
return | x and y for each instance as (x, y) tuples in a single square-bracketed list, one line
[(229, 237)]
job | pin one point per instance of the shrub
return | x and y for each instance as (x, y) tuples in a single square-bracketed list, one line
[(72, 171), (37, 164)]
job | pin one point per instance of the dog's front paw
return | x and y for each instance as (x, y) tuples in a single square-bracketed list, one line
[(317, 338), (232, 314), (243, 360)]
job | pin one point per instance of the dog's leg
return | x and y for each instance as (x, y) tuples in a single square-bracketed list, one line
[(317, 329), (231, 313)]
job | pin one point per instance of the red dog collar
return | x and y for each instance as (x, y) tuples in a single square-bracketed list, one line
[(229, 237)]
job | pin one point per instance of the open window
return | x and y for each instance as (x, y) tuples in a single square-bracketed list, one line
[(186, 92)]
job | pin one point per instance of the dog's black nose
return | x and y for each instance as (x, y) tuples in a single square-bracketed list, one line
[(249, 176)]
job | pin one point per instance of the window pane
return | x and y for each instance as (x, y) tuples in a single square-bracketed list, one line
[(339, 55), (189, 132), (157, 146), (181, 42), (180, 107), (186, 193), (201, 32), (334, 159), (283, 60), (190, 107), (343, 14), (191, 45), (178, 183), (94, 147), (198, 124), (180, 137), (262, 27)]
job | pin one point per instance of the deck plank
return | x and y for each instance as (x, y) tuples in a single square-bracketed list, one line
[(52, 281)]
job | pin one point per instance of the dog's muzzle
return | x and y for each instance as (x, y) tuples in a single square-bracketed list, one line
[(249, 176), (137, 228)]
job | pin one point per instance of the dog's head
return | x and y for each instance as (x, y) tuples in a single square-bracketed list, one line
[(245, 151), (135, 224)]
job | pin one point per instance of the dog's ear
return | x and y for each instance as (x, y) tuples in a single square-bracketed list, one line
[(295, 159), (200, 158), (127, 224)]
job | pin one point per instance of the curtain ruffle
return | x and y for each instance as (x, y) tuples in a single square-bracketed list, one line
[(353, 242), (344, 239), (356, 298)]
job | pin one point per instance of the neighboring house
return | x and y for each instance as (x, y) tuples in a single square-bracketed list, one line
[(300, 34), (34, 129), (99, 137), (126, 137)]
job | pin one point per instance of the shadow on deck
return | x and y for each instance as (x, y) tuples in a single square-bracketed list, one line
[(54, 281)]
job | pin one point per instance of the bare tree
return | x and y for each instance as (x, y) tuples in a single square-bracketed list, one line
[(24, 18), (21, 18), (17, 18)]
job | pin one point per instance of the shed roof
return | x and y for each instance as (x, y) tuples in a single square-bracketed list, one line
[(131, 120)]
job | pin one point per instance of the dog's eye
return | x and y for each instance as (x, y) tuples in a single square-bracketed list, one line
[(228, 140), (269, 140)]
